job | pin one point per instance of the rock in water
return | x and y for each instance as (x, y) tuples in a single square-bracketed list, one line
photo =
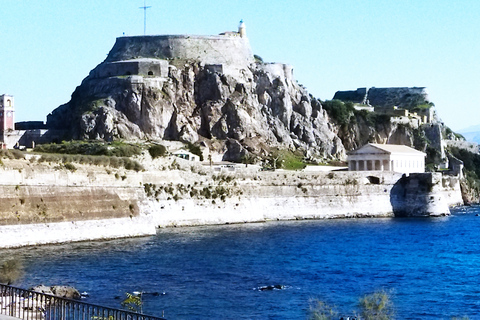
[(59, 291)]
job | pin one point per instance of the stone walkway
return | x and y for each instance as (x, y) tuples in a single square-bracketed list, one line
[(4, 317)]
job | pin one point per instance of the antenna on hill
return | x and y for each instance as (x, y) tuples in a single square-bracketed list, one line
[(145, 16)]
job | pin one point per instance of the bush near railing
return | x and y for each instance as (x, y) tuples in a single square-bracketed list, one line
[(31, 305)]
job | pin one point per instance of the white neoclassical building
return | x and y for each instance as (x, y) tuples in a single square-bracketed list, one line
[(386, 157)]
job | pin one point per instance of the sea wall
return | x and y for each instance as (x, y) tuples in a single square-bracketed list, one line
[(287, 196), (46, 203), (50, 233)]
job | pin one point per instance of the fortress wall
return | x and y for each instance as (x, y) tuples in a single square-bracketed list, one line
[(355, 96), (157, 68), (50, 233), (50, 203), (45, 204), (317, 197), (403, 97), (227, 50)]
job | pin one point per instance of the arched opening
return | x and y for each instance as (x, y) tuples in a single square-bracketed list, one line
[(150, 73), (128, 73), (9, 103)]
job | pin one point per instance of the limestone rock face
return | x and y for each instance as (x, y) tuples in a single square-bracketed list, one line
[(249, 109)]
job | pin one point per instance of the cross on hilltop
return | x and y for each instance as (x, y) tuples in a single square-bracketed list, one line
[(145, 7)]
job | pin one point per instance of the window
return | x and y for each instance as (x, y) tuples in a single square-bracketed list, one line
[(150, 73)]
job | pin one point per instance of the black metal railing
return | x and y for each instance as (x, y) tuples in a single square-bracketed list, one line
[(31, 305)]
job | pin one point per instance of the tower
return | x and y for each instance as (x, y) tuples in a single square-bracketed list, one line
[(7, 113), (242, 30)]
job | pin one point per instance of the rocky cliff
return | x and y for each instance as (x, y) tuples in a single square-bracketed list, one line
[(392, 116), (238, 109)]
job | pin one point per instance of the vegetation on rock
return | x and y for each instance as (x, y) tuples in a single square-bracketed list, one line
[(157, 150), (471, 162), (115, 162), (195, 149), (97, 148), (116, 154), (285, 159), (340, 112), (11, 154)]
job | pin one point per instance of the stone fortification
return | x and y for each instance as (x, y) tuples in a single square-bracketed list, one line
[(402, 97), (208, 90), (221, 49), (48, 204), (199, 89), (140, 66)]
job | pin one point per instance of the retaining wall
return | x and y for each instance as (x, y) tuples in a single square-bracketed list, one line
[(48, 204)]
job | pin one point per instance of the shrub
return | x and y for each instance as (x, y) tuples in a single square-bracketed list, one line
[(376, 306), (339, 111), (320, 310), (70, 166), (372, 119), (10, 271), (132, 302), (287, 160), (195, 150), (258, 59), (157, 150), (471, 161), (12, 154), (117, 148)]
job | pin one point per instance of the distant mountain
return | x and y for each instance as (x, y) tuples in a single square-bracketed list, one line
[(471, 133)]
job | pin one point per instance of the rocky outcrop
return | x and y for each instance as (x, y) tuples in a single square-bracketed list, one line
[(58, 291), (250, 111)]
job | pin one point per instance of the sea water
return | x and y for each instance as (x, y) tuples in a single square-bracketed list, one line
[(429, 266)]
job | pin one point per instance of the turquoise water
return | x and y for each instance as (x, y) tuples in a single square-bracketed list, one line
[(431, 267)]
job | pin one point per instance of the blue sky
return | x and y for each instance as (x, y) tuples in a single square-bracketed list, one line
[(48, 47)]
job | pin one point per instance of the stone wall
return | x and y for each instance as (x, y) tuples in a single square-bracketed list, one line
[(27, 138), (402, 97), (45, 203), (145, 67), (226, 50)]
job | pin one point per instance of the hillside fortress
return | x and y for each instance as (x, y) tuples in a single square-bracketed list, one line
[(198, 89), (210, 91), (227, 52)]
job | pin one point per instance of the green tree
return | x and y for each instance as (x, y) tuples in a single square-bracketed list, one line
[(195, 149), (339, 111), (157, 150)]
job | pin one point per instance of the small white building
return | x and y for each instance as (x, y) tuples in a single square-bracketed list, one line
[(184, 154), (386, 157)]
